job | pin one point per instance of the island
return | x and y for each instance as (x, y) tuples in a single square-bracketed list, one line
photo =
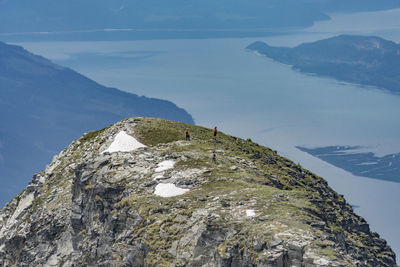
[(364, 60), (358, 161)]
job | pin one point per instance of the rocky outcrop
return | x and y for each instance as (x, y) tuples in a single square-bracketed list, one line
[(249, 207)]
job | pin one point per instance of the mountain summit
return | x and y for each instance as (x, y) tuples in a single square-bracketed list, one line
[(137, 194)]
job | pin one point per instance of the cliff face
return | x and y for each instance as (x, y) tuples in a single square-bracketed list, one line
[(171, 204)]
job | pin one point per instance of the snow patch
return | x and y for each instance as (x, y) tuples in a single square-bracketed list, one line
[(169, 190), (368, 163), (250, 213), (123, 142), (165, 165)]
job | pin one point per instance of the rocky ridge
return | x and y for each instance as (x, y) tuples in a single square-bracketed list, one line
[(250, 207)]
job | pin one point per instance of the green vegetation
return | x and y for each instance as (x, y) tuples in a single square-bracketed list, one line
[(90, 136), (151, 132)]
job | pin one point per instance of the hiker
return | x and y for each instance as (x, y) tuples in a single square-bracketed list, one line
[(187, 135), (214, 157), (215, 132)]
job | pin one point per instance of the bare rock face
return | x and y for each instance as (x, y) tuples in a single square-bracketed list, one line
[(171, 204)]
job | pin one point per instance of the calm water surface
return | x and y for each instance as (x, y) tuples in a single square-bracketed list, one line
[(247, 95)]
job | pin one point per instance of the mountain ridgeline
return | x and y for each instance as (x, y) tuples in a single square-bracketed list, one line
[(44, 106), (365, 60), (171, 19), (137, 194)]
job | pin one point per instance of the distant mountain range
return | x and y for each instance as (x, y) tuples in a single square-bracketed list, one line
[(44, 106), (365, 60), (174, 17)]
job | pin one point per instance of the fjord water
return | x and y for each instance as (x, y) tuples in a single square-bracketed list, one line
[(244, 94)]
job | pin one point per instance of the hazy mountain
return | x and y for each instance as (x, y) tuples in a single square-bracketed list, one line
[(158, 15), (170, 204), (365, 60), (44, 106)]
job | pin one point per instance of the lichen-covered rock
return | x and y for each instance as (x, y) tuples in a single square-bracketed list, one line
[(246, 207)]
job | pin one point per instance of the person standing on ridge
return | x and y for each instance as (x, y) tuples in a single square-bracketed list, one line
[(215, 132), (187, 135)]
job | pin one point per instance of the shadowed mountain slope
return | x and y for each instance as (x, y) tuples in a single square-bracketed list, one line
[(44, 106)]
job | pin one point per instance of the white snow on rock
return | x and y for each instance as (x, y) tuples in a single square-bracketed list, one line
[(165, 165), (169, 190), (250, 213), (123, 142)]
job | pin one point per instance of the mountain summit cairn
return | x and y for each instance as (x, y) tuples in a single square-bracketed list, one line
[(166, 203)]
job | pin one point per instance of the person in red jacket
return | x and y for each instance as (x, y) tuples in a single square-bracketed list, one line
[(215, 132), (187, 135)]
